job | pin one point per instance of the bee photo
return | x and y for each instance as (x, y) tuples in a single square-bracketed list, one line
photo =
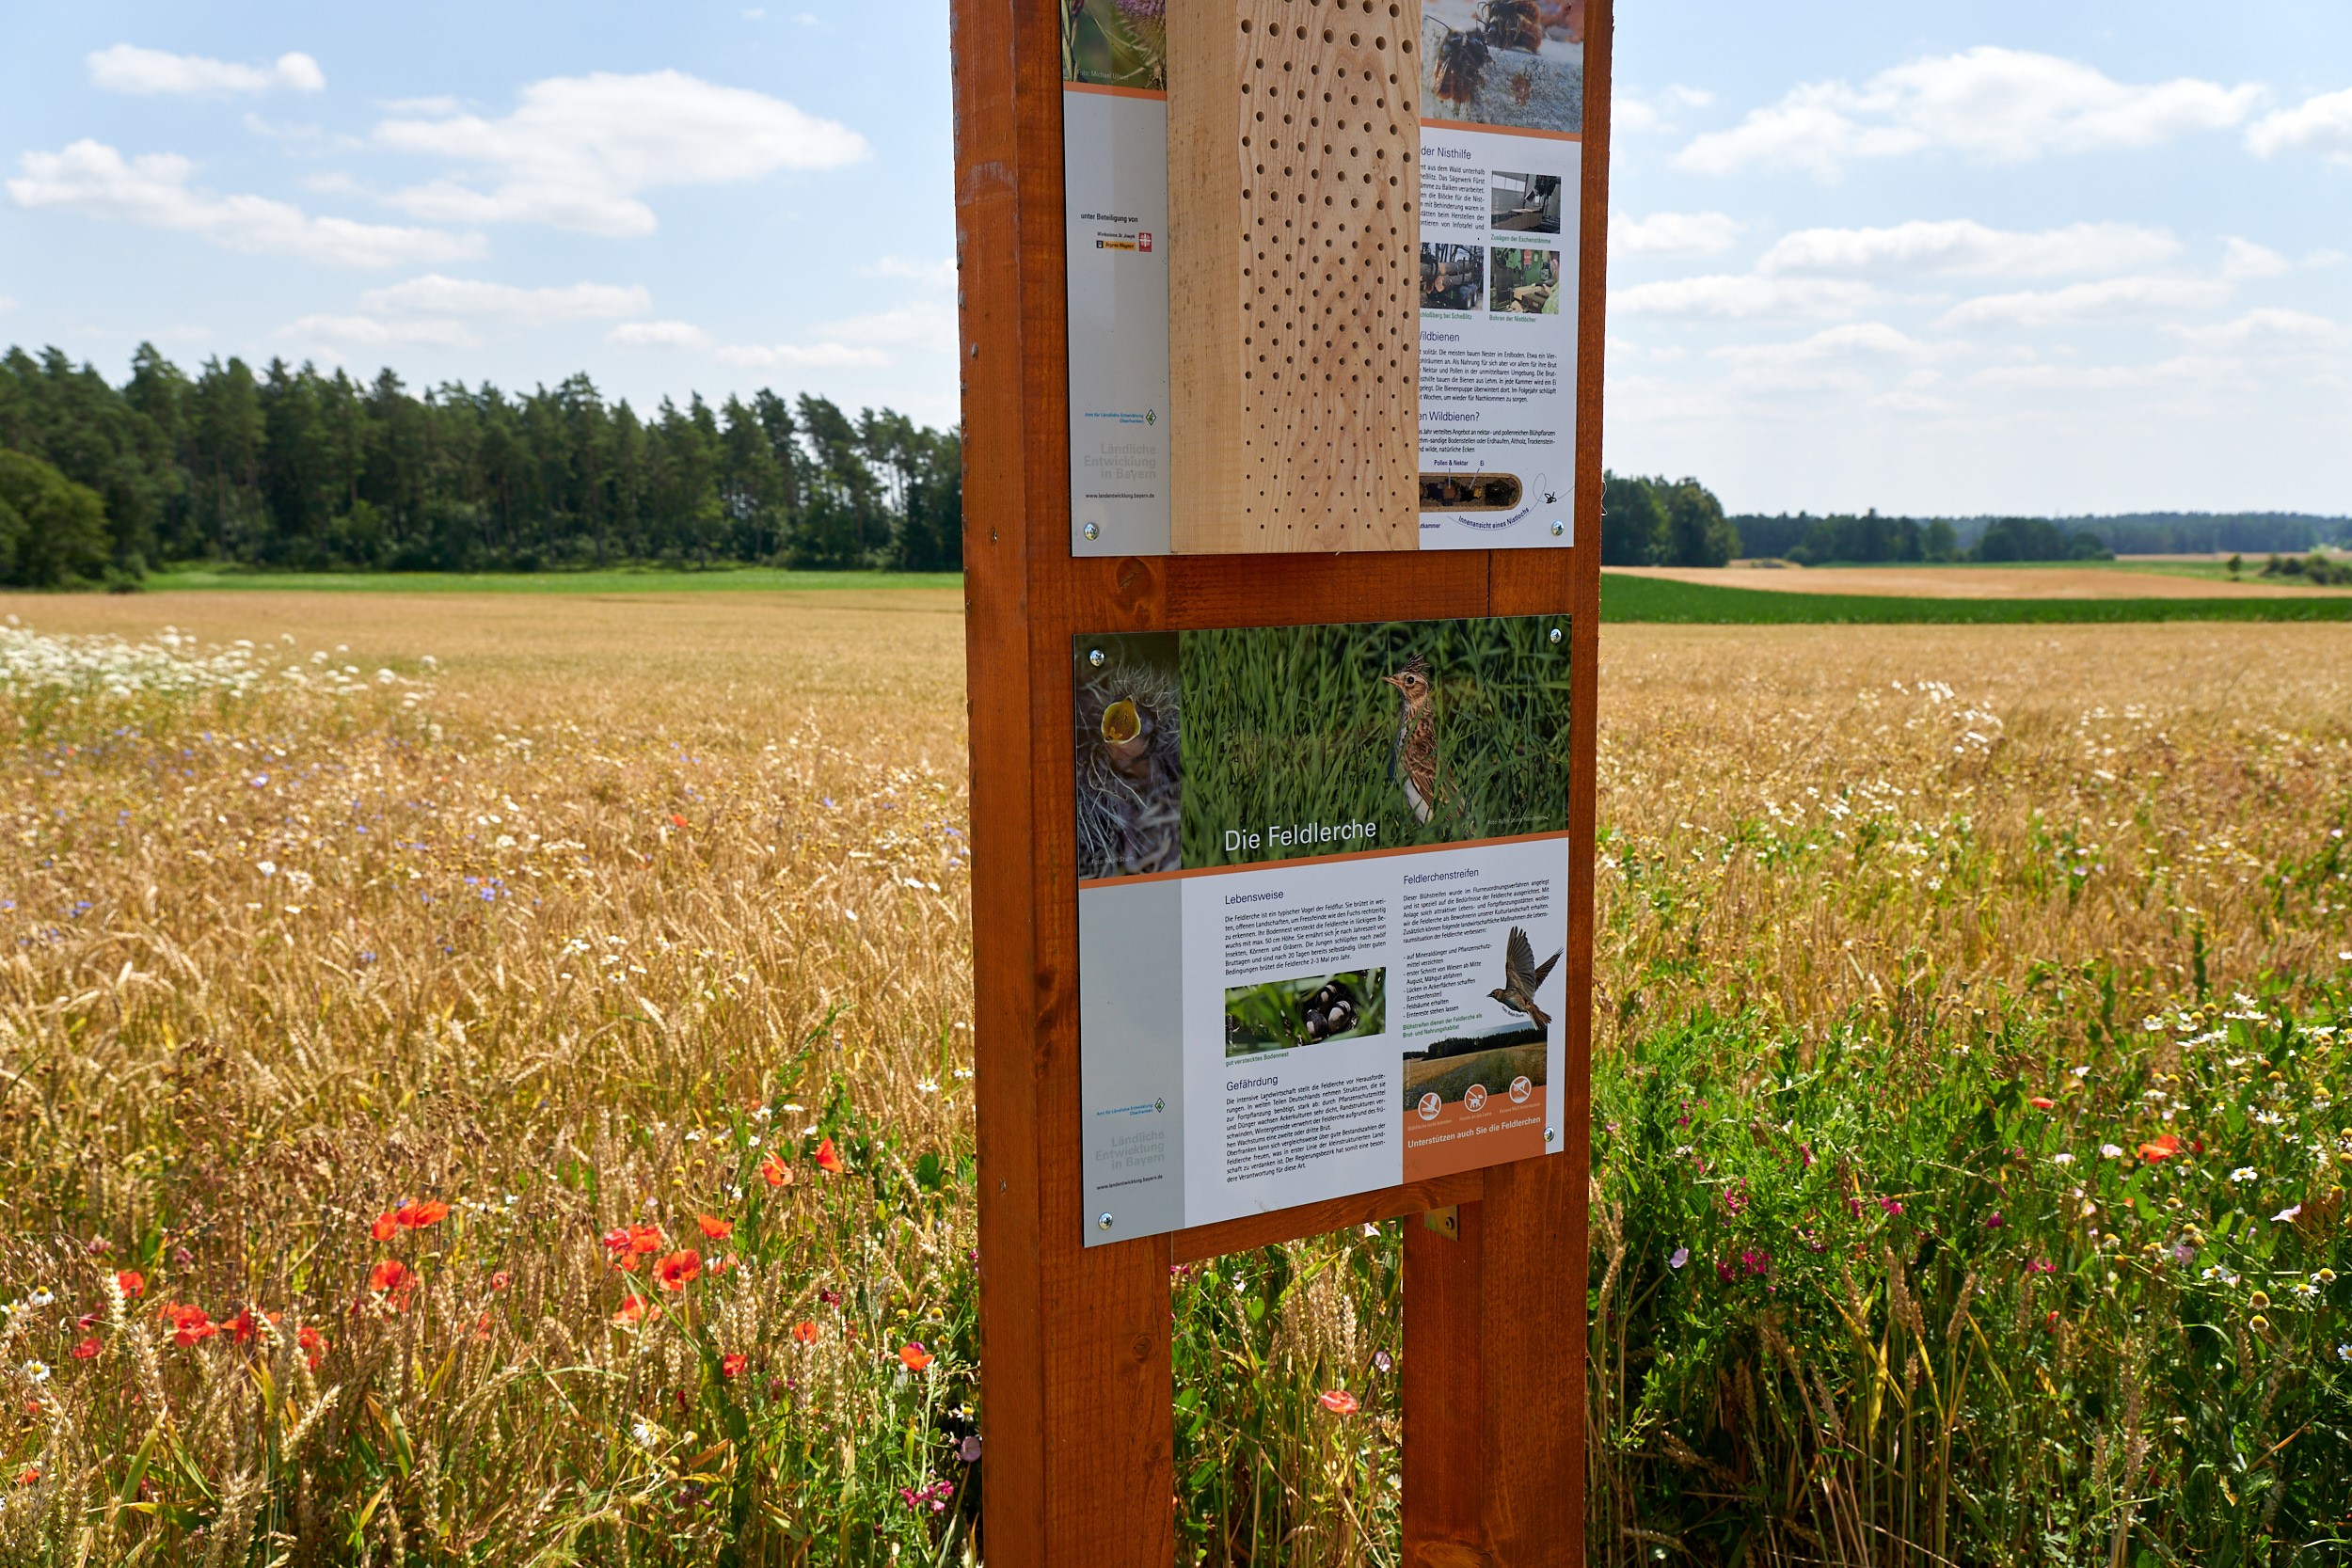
[(1517, 63)]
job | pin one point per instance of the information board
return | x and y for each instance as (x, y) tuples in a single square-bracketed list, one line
[(1323, 892), (1502, 131)]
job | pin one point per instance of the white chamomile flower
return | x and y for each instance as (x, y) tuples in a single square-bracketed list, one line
[(2244, 1173), (36, 1372), (39, 1298)]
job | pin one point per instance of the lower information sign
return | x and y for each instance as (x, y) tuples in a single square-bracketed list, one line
[(1323, 888)]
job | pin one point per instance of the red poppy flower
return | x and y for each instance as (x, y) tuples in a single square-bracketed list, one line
[(914, 1357), (242, 1328), (1339, 1401), (2042, 1103), (387, 1226), (29, 1475), (615, 1240), (718, 1265), (679, 1269), (805, 1332), (314, 1346), (2160, 1149), (189, 1325), (86, 1349), (676, 821), (715, 1228), (774, 1171), (732, 1364), (417, 1216), (501, 1280), (829, 1158), (133, 1282), (634, 1311), (644, 1239), (392, 1274)]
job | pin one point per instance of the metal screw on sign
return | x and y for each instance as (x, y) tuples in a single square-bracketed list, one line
[(1093, 531), (1558, 528), (1555, 636), (1551, 1134), (1102, 1221), (1095, 657)]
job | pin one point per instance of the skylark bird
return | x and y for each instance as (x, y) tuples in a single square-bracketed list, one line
[(1521, 979), (1414, 761)]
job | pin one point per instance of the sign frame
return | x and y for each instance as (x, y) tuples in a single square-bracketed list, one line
[(1076, 1379)]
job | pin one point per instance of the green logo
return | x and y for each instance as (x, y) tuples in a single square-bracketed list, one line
[(1150, 416)]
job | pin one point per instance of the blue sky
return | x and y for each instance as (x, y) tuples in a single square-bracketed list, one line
[(1978, 257)]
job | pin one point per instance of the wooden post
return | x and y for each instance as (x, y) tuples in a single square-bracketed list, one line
[(1075, 1387)]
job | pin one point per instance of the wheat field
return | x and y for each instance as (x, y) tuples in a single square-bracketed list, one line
[(486, 1079)]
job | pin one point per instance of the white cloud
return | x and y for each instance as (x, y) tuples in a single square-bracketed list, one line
[(433, 295), (1632, 111), (374, 332), (1962, 247), (802, 356), (1853, 339), (2084, 301), (154, 191), (2268, 329), (939, 273), (2321, 125), (1739, 295), (1672, 233), (1997, 105), (923, 323), (8, 303), (659, 335), (126, 68), (2245, 259), (580, 150)]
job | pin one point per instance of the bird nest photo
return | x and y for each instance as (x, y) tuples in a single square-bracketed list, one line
[(1127, 713), (1281, 1014)]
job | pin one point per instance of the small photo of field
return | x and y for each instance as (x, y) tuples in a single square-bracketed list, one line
[(1436, 731), (1314, 1009), (1115, 43), (1494, 1070), (1526, 281), (1126, 712)]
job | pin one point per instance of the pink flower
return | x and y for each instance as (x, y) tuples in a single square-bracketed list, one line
[(1339, 1401)]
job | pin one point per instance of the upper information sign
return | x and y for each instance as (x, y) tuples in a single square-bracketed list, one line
[(1502, 116), (1323, 892)]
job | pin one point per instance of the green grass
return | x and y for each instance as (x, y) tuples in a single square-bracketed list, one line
[(627, 579), (1631, 598), (1294, 724)]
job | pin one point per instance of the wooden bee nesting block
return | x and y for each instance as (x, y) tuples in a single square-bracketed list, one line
[(1294, 148)]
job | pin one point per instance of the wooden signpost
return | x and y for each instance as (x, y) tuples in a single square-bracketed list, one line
[(1075, 1311)]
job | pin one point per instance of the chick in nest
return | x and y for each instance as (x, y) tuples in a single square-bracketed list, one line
[(1129, 771)]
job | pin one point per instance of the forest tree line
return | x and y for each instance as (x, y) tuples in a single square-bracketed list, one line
[(294, 469)]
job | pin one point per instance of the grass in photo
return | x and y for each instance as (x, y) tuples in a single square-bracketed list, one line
[(1432, 732), (1312, 1009), (1526, 281)]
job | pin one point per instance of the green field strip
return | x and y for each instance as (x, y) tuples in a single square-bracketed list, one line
[(1661, 601)]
